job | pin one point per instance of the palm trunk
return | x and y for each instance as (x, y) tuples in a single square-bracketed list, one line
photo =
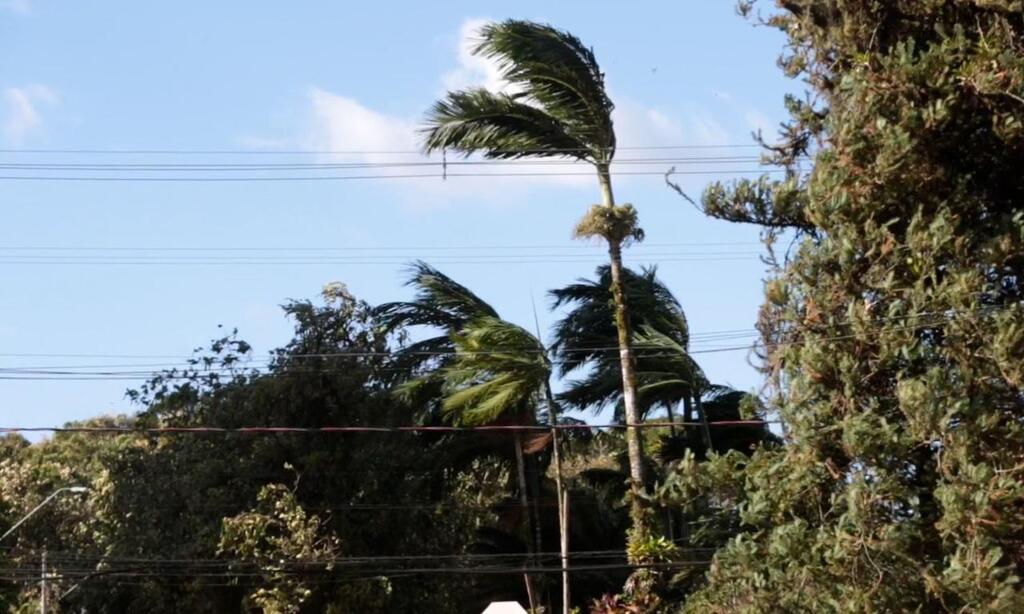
[(687, 408), (524, 501), (562, 497), (633, 443), (635, 446), (705, 429)]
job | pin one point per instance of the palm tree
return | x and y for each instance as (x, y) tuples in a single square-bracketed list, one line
[(442, 304), (481, 369), (559, 108), (500, 373), (667, 374), (584, 336)]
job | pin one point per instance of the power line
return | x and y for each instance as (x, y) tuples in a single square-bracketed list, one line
[(568, 350), (418, 248), (331, 430), (365, 177), (73, 556), (285, 263), (115, 576), (344, 151), (277, 166), (194, 368)]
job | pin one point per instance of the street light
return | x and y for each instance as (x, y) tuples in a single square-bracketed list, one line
[(75, 490), (67, 489)]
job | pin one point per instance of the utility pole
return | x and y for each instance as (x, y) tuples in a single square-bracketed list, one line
[(75, 490), (561, 492), (42, 586)]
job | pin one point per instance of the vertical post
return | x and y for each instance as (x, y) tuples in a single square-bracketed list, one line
[(564, 496), (706, 431), (42, 585), (561, 492), (524, 502), (561, 497)]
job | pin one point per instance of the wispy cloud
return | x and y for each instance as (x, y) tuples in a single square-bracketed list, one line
[(344, 124), (473, 70), (360, 133), (23, 110), (20, 7), (639, 125)]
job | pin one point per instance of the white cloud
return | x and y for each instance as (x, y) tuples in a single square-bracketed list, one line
[(23, 114), (473, 70), (640, 126), (706, 130), (343, 124), (20, 7), (357, 133), (636, 125)]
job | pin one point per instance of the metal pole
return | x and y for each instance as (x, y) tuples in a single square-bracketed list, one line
[(565, 549), (561, 493), (53, 495), (42, 586)]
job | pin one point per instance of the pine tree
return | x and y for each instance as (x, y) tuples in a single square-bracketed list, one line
[(894, 328)]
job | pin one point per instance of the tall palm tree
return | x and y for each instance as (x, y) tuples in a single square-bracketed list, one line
[(582, 339), (667, 374), (559, 108)]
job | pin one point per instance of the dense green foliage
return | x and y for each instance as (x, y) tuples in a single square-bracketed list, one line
[(894, 330), (893, 350), (286, 522)]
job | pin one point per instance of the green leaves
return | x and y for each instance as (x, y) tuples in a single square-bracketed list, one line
[(279, 532), (498, 125), (893, 334), (559, 108), (499, 372)]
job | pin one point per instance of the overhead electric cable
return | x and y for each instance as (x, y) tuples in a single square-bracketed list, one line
[(326, 430), (367, 177), (167, 151)]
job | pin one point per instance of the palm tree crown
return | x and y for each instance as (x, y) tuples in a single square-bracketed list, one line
[(440, 303), (558, 108), (586, 337), (500, 371)]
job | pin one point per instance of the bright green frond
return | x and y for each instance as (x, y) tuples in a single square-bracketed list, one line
[(498, 371)]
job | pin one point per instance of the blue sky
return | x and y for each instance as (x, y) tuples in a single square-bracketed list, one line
[(271, 76)]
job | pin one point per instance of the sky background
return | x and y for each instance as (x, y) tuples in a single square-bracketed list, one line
[(271, 77)]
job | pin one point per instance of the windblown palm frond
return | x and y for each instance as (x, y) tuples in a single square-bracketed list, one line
[(440, 303), (498, 125), (586, 337), (499, 371), (666, 372), (587, 334), (559, 108)]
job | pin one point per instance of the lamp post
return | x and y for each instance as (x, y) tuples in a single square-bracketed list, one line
[(75, 490), (53, 495)]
